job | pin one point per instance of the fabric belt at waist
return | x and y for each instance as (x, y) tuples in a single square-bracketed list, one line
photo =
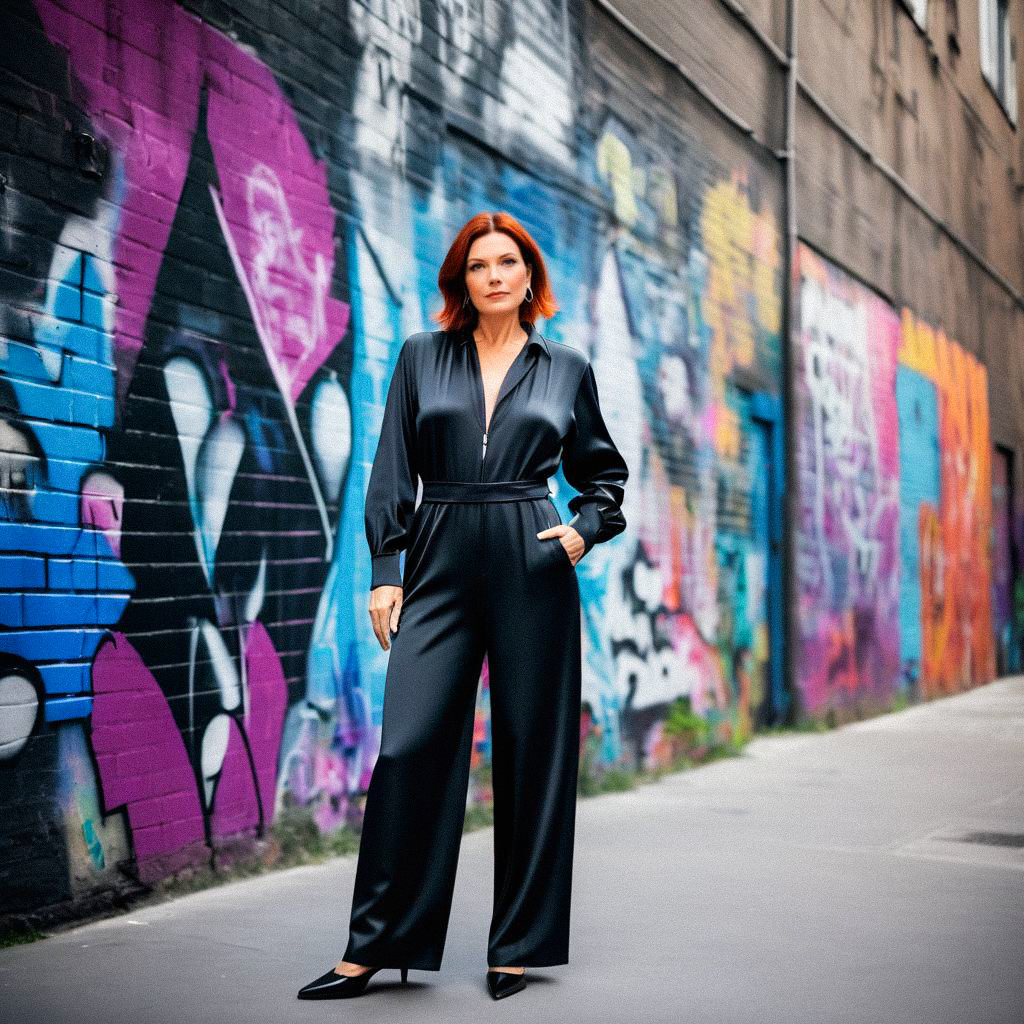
[(483, 490)]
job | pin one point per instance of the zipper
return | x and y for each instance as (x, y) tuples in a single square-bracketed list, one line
[(484, 454)]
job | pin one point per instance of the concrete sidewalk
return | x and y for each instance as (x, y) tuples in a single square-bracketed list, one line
[(819, 878)]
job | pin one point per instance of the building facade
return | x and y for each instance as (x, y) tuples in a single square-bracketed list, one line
[(894, 127), (787, 235)]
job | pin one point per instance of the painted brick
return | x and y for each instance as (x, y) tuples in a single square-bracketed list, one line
[(12, 613), (66, 678), (60, 609), (63, 709), (18, 572)]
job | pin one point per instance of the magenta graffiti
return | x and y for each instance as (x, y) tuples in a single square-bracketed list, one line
[(145, 768), (848, 530), (152, 79), (275, 194), (143, 765)]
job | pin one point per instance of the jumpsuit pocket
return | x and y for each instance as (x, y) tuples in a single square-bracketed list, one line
[(420, 535), (561, 555)]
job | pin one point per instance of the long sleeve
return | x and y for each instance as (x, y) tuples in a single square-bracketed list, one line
[(592, 464), (391, 492)]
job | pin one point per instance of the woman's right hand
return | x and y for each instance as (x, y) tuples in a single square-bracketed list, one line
[(385, 607)]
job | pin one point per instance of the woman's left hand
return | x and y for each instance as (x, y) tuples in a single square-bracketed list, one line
[(568, 538)]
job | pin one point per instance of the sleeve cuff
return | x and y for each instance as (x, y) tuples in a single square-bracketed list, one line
[(587, 523), (385, 571)]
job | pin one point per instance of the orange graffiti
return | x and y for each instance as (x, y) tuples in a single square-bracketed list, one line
[(958, 648), (841, 654), (679, 513)]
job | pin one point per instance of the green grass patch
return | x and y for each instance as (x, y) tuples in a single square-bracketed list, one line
[(20, 937)]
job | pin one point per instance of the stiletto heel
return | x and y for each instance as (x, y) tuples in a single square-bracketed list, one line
[(405, 975)]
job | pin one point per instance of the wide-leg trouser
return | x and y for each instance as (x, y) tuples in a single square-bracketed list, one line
[(477, 581)]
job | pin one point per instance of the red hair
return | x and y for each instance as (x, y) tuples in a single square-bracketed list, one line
[(458, 313)]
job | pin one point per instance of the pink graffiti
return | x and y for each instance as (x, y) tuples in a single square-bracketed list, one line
[(142, 763), (235, 807), (144, 768), (329, 775), (848, 536), (101, 505), (145, 99)]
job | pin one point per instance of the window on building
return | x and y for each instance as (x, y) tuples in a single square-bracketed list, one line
[(999, 53)]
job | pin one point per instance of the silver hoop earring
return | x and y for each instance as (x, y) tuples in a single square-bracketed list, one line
[(465, 301), (529, 294)]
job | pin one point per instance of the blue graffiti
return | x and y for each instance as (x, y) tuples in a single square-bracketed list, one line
[(65, 585)]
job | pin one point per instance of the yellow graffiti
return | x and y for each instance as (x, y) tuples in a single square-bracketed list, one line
[(726, 432), (767, 260), (615, 165), (726, 224), (743, 260), (629, 182)]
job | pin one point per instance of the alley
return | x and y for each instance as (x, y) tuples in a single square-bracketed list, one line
[(874, 873)]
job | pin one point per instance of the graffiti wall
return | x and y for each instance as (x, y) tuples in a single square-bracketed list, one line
[(893, 562), (847, 563), (954, 522), (684, 308), (213, 246)]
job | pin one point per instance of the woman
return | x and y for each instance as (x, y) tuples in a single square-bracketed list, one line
[(482, 411)]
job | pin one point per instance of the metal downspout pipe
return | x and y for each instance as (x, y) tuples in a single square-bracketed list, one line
[(790, 507)]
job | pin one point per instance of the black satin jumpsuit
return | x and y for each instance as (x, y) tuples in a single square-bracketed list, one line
[(478, 581)]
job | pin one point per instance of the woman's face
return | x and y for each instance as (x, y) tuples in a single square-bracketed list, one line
[(496, 276)]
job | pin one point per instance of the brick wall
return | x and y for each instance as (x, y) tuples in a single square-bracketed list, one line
[(220, 223)]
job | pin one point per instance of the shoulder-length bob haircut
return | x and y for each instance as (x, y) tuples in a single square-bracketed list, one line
[(459, 312)]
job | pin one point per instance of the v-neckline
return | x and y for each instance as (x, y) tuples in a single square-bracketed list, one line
[(482, 395)]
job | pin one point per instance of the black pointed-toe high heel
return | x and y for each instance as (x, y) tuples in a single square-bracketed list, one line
[(333, 985), (502, 983)]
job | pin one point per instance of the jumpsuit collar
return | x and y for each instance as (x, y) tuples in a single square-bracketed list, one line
[(516, 372), (534, 339)]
